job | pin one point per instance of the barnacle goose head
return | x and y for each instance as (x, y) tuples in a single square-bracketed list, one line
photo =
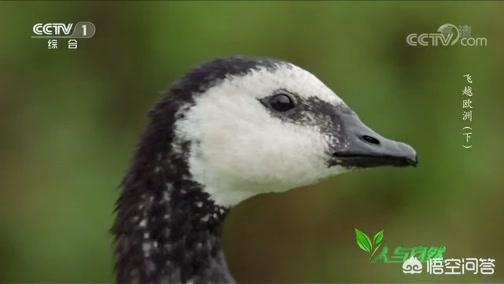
[(263, 125), (228, 130)]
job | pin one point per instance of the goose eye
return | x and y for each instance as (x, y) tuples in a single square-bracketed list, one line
[(281, 102)]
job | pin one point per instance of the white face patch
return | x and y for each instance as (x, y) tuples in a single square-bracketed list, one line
[(239, 149)]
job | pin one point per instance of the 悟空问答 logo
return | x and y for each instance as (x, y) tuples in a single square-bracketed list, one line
[(412, 266), (421, 259)]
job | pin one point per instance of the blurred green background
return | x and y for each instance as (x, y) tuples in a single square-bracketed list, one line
[(70, 119)]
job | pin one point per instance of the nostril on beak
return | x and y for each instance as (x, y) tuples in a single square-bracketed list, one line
[(370, 140)]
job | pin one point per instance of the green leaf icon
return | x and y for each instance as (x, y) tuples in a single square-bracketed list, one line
[(378, 239), (363, 240)]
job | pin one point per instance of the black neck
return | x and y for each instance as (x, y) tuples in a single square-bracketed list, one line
[(167, 228)]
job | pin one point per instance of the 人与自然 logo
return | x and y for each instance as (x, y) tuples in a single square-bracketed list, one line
[(421, 259), (447, 35)]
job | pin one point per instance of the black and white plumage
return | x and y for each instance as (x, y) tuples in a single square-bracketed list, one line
[(228, 130)]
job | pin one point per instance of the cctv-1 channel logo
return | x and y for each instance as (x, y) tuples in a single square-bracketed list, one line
[(64, 30)]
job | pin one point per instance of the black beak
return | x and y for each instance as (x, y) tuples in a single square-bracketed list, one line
[(364, 148)]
